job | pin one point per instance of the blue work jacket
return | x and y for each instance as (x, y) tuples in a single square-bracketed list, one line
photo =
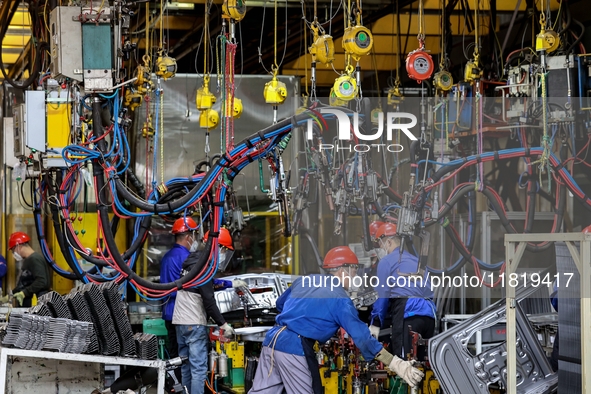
[(310, 308), (392, 285), (170, 271)]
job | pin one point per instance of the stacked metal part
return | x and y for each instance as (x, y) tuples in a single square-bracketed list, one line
[(146, 346), (120, 318), (34, 332), (101, 316), (56, 305), (81, 312), (78, 337), (569, 321), (40, 310)]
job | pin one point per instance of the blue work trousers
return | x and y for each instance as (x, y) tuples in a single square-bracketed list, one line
[(192, 342)]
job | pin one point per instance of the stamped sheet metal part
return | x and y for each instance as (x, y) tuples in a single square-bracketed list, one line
[(263, 291), (459, 371)]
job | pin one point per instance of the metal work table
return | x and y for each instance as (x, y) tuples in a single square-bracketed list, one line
[(88, 358)]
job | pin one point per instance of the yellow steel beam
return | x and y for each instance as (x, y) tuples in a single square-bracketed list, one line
[(174, 22), (203, 2), (20, 41), (10, 58), (387, 25), (502, 5), (20, 18)]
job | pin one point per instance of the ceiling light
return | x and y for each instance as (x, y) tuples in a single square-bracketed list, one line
[(180, 6)]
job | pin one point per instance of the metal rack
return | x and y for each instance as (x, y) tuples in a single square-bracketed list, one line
[(514, 248), (6, 352)]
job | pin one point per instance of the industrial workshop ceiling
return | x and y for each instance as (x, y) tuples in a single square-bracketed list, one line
[(16, 39), (184, 21)]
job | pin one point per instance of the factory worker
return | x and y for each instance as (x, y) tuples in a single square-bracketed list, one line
[(377, 253), (35, 277), (226, 251), (312, 309), (408, 301), (3, 267), (186, 242), (373, 230), (193, 308)]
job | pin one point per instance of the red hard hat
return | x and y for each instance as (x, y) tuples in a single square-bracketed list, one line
[(183, 225), (587, 230), (373, 228), (339, 256), (386, 230), (17, 239), (224, 239)]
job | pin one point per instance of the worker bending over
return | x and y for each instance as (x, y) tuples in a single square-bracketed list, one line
[(409, 301), (311, 310), (35, 277)]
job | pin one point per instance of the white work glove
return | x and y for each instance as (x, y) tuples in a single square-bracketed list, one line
[(406, 371), (239, 283), (375, 331), (228, 331)]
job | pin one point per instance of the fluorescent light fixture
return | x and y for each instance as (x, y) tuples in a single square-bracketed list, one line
[(180, 6)]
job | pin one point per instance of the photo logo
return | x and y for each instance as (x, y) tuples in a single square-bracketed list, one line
[(344, 130)]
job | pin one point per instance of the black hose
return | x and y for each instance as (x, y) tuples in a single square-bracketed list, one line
[(413, 153), (319, 260), (507, 223), (367, 244), (170, 207), (41, 46), (567, 15), (58, 235), (104, 217), (466, 256), (579, 38), (129, 381), (531, 208), (133, 179)]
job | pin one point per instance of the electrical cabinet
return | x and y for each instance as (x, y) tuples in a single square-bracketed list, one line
[(29, 124), (66, 43)]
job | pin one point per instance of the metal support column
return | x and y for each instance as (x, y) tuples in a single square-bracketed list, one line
[(513, 256), (585, 270), (582, 259)]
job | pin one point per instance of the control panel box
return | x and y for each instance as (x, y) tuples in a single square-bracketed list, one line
[(66, 43), (29, 124)]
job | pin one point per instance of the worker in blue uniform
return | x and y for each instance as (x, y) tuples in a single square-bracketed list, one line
[(311, 310), (403, 300), (186, 243), (3, 269)]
